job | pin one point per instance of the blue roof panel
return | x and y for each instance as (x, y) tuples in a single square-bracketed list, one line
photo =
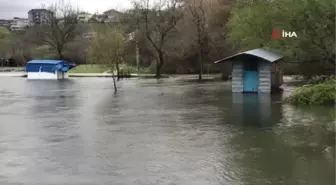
[(48, 66), (54, 62)]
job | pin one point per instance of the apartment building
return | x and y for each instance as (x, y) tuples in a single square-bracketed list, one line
[(19, 24), (40, 16)]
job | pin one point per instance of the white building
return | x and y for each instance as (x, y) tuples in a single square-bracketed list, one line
[(112, 16), (84, 17), (19, 24)]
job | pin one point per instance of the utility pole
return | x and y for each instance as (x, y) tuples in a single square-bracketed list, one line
[(137, 56)]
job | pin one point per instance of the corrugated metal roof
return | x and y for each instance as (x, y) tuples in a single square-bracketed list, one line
[(260, 52), (45, 62)]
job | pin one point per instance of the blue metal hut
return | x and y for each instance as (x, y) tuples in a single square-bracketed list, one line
[(255, 71), (48, 69)]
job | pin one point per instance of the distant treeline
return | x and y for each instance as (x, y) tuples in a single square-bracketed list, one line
[(187, 37)]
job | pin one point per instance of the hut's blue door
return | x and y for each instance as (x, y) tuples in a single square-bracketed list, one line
[(250, 81), (251, 77)]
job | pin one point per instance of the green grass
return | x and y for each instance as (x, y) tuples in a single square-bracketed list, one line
[(94, 68), (133, 69), (88, 68)]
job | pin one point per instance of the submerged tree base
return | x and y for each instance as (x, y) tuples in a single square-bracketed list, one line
[(322, 93)]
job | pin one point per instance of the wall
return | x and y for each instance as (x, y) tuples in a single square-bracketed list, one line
[(41, 75), (62, 75), (265, 76), (265, 69), (237, 76), (47, 75), (277, 76)]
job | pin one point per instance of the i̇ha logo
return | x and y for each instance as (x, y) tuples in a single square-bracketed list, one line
[(278, 34)]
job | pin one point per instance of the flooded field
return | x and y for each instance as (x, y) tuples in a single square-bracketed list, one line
[(166, 132)]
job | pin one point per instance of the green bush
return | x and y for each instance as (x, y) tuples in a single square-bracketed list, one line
[(320, 79), (322, 93)]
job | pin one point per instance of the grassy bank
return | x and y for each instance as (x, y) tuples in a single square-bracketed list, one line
[(12, 69), (88, 68), (94, 68), (317, 92)]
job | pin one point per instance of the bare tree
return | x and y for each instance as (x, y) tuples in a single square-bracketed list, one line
[(107, 49), (61, 29), (157, 19), (197, 12)]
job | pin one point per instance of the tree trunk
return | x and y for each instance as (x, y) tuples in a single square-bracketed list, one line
[(158, 70), (118, 71), (200, 50), (137, 57), (200, 66), (114, 84), (159, 65), (60, 54)]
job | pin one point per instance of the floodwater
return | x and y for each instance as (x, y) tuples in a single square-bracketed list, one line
[(166, 132)]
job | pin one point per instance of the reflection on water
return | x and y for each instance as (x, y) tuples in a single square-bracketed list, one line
[(259, 110), (158, 132)]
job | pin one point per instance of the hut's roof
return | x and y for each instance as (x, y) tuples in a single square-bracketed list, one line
[(260, 53), (48, 66), (45, 62)]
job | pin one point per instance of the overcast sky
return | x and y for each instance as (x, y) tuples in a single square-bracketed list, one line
[(20, 8)]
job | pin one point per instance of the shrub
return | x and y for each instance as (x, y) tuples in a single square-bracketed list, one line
[(319, 79), (321, 93)]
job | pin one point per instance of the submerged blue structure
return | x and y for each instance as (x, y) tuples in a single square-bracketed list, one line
[(48, 69), (255, 71)]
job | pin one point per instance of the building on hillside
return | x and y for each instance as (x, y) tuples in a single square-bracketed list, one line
[(84, 17), (19, 24), (255, 71), (40, 16), (98, 18), (112, 16), (48, 69), (5, 23)]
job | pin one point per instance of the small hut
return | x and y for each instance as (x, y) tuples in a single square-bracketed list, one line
[(48, 69), (255, 71)]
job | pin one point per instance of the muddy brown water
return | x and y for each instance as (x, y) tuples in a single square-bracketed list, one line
[(77, 132)]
